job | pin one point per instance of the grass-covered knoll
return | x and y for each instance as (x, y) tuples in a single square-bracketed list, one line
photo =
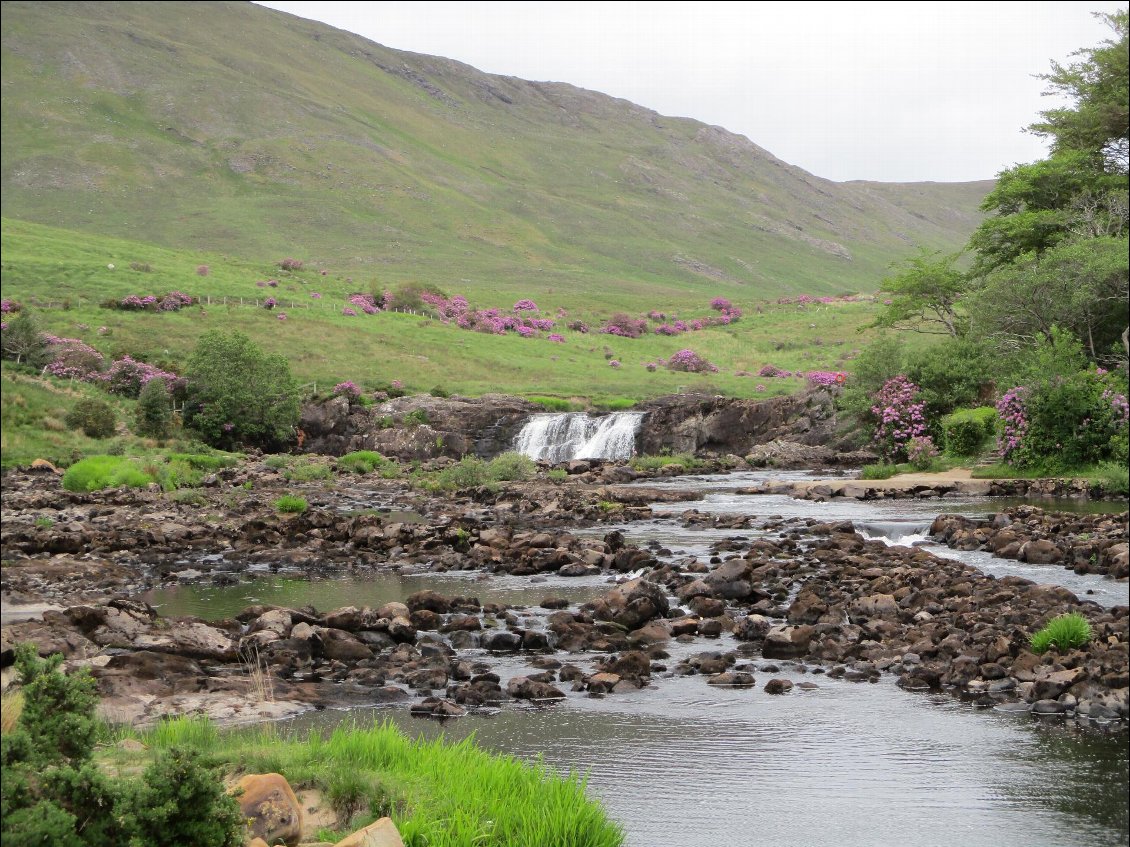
[(439, 794), (285, 137)]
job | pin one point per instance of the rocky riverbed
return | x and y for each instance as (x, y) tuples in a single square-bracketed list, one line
[(810, 594)]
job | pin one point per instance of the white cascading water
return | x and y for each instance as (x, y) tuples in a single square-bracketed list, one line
[(574, 435)]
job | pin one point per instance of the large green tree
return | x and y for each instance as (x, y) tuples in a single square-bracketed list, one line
[(923, 294), (237, 394), (1053, 251)]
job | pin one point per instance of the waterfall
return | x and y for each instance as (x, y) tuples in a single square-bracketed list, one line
[(574, 435)]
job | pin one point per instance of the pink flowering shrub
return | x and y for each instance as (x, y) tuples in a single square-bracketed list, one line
[(556, 338), (577, 326), (73, 359), (203, 270), (174, 301), (689, 361), (347, 389), (921, 452), (614, 363), (281, 316), (826, 378), (9, 306), (126, 376), (900, 417), (289, 264), (365, 302), (525, 306), (270, 303), (349, 313), (652, 367), (720, 304), (624, 326), (1013, 423), (314, 295)]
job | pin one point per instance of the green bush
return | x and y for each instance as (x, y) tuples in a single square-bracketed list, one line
[(237, 393), (23, 342), (278, 462), (967, 430), (54, 794), (177, 473), (880, 471), (439, 391), (1070, 423), (360, 462), (94, 417), (203, 461), (654, 463), (307, 471), (557, 475), (511, 466), (95, 473), (1063, 633), (417, 417), (290, 504), (154, 417)]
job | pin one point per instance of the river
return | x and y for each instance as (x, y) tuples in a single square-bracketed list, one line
[(832, 762)]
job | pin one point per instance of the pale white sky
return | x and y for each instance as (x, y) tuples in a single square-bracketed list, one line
[(892, 91)]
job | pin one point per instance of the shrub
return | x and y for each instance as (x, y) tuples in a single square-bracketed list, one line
[(468, 472), (95, 473), (880, 471), (921, 452), (439, 391), (54, 794), (23, 342), (94, 417), (347, 389), (177, 473), (899, 417), (1064, 633), (689, 361), (236, 393), (360, 462), (307, 471), (289, 264), (203, 461), (128, 376), (290, 504), (417, 417), (1112, 479), (967, 430), (557, 475), (154, 417), (511, 466)]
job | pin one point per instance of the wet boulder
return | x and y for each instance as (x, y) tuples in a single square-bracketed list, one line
[(631, 605)]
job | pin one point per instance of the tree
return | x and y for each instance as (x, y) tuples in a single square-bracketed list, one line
[(236, 393), (1080, 286), (154, 411), (23, 341), (1098, 122), (924, 295)]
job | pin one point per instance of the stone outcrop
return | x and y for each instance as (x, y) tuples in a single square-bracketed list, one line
[(416, 427), (694, 423)]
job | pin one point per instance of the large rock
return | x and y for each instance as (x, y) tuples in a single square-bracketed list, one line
[(423, 426), (631, 605), (689, 423), (381, 833), (270, 808)]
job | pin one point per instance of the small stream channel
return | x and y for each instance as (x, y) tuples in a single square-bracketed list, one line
[(833, 762)]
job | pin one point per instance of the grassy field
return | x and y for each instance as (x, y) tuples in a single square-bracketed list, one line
[(64, 277)]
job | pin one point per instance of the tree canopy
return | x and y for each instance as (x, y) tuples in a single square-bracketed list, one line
[(237, 394)]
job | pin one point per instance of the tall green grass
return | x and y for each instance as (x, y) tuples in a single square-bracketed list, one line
[(95, 473), (1063, 632), (439, 794)]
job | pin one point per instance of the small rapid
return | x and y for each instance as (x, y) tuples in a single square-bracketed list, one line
[(576, 435)]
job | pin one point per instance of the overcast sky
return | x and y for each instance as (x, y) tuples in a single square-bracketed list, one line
[(897, 92)]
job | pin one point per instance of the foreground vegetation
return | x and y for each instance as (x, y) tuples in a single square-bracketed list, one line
[(57, 791)]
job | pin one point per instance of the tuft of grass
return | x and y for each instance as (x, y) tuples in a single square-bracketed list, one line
[(11, 707), (510, 466), (361, 462), (279, 461), (192, 731), (554, 404), (291, 504), (557, 475), (1111, 479), (95, 473), (654, 463), (1064, 633), (879, 471), (307, 470)]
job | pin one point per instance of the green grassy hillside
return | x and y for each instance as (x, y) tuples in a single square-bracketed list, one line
[(234, 129), (65, 277)]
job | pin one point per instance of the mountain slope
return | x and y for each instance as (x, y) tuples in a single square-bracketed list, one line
[(232, 128)]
